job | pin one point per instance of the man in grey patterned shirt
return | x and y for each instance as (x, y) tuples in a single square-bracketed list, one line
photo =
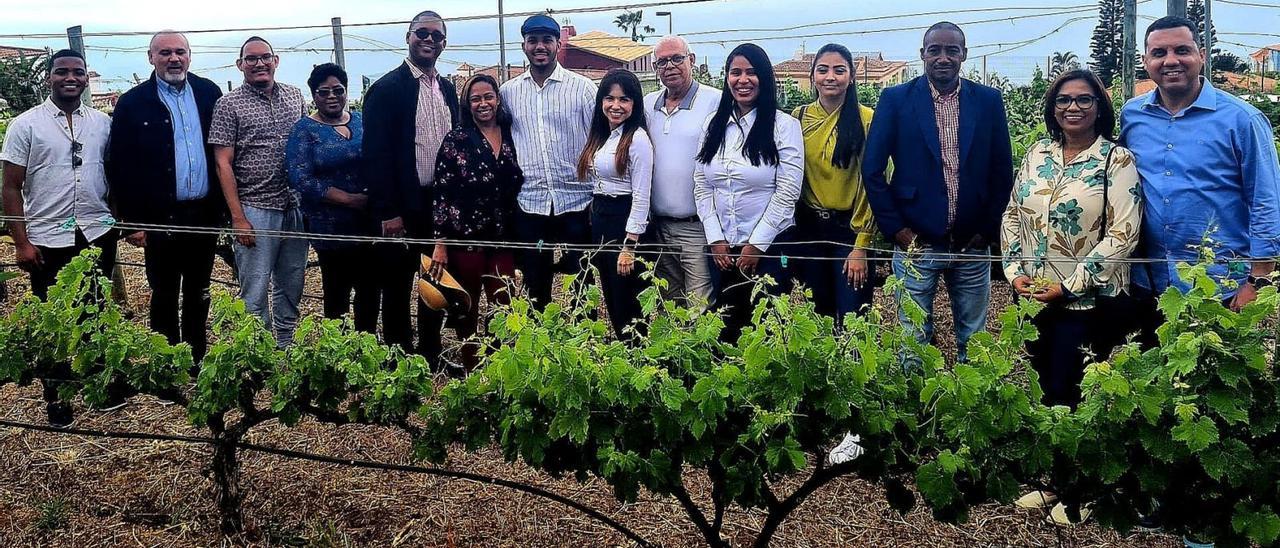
[(249, 130)]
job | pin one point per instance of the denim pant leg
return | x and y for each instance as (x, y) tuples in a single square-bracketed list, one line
[(289, 275), (969, 286), (254, 264), (920, 283)]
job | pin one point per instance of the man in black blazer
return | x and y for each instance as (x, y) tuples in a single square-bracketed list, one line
[(407, 113), (160, 171)]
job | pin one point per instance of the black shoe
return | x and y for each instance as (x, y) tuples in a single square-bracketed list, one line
[(59, 414)]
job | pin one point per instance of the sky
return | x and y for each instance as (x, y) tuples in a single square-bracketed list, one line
[(868, 25)]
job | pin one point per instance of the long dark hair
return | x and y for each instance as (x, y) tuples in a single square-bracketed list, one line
[(630, 86), (1105, 125), (468, 120), (759, 145), (849, 132)]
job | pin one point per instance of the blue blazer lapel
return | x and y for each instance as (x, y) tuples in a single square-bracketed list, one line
[(968, 117), (923, 102)]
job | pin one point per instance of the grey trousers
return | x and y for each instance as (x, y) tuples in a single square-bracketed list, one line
[(685, 265)]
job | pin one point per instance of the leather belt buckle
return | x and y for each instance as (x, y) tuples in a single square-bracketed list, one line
[(823, 214)]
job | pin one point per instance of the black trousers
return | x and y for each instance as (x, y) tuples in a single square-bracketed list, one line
[(621, 293), (1058, 356), (733, 288), (397, 265), (178, 270), (538, 266), (346, 269), (42, 278)]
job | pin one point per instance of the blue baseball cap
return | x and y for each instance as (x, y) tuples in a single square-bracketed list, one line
[(540, 23)]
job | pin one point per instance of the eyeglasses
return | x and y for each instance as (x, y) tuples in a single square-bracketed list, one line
[(255, 59), (674, 60), (76, 147), (1085, 102), (435, 35), (336, 91)]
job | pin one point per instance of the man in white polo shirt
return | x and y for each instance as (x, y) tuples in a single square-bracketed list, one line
[(55, 180), (676, 123)]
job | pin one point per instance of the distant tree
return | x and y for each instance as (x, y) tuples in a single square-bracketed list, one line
[(631, 21), (22, 82), (1062, 62), (1106, 55)]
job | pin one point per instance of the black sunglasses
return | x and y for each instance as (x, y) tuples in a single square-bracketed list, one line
[(435, 35), (76, 147), (336, 91)]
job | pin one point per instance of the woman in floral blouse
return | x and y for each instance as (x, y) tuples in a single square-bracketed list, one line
[(1071, 189), (1075, 210), (476, 182)]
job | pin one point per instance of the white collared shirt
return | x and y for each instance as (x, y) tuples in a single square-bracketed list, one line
[(745, 204), (549, 129), (58, 198), (636, 182), (675, 145)]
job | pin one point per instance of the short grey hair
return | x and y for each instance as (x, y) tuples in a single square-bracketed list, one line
[(673, 38), (167, 32)]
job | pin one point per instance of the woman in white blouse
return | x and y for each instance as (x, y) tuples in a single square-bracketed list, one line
[(746, 182), (618, 161)]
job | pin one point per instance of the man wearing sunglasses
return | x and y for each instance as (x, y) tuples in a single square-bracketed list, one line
[(54, 178), (407, 114), (248, 132), (161, 172)]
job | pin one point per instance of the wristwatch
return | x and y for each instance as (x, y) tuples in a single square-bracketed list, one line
[(1259, 282)]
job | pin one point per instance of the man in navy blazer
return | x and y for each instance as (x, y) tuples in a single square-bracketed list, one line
[(948, 139)]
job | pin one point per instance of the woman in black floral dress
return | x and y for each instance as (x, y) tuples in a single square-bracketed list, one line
[(476, 182)]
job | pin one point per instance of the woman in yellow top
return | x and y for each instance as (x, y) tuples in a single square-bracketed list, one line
[(833, 206)]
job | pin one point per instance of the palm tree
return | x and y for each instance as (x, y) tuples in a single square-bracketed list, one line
[(1062, 62), (630, 21)]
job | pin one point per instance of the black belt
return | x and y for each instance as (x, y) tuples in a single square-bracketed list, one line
[(666, 219)]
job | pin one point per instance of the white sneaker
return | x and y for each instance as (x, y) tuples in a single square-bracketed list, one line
[(847, 450)]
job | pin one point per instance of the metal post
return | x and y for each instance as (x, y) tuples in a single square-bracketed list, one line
[(1208, 40), (75, 40), (504, 73), (1177, 7), (986, 80), (1130, 44), (339, 56)]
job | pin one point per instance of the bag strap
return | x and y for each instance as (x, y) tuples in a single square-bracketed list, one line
[(1106, 187)]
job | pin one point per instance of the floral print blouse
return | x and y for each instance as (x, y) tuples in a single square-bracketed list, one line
[(1052, 226), (475, 191)]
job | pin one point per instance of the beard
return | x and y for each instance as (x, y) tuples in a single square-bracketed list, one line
[(172, 79)]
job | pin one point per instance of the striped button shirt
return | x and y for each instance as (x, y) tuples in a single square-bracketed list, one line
[(549, 128), (946, 112), (433, 123)]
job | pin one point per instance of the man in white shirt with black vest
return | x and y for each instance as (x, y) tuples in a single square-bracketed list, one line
[(676, 123)]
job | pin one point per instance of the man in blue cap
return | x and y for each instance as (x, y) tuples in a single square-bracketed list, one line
[(551, 116)]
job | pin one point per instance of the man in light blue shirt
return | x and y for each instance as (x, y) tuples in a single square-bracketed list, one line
[(190, 163), (1208, 165)]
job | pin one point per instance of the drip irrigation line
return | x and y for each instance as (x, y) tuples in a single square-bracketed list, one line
[(353, 463)]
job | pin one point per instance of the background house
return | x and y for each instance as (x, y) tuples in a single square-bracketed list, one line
[(870, 68)]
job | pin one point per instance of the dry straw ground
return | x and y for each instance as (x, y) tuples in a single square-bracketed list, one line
[(58, 490)]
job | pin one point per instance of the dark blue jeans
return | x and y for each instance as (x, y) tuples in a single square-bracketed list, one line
[(621, 293)]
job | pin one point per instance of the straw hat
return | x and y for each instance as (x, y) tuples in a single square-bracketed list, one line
[(443, 291)]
